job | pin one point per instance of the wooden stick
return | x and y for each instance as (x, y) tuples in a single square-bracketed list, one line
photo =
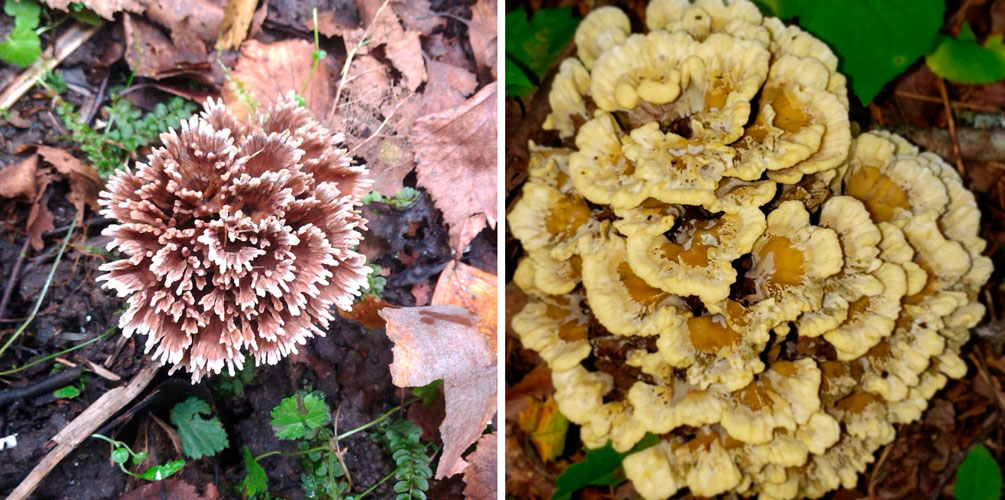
[(72, 38), (81, 428)]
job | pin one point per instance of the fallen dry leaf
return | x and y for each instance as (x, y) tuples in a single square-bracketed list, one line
[(26, 180), (85, 184), (416, 15), (171, 489), (405, 52), (18, 179), (456, 162), (151, 53), (447, 86), (473, 289), (480, 476), (269, 70), (103, 8), (442, 342), (545, 427), (237, 16), (366, 312), (483, 33)]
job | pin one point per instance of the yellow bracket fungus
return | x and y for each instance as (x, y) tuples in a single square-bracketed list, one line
[(713, 258)]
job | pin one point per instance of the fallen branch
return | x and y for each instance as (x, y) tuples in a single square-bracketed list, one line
[(72, 38), (81, 427), (54, 382)]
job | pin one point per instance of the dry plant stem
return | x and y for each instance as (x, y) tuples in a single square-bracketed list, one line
[(62, 378), (72, 38), (13, 276), (41, 294), (83, 426), (960, 104), (338, 451), (952, 127), (349, 57), (60, 353), (875, 470)]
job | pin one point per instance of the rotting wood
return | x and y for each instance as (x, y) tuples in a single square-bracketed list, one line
[(81, 428), (73, 38)]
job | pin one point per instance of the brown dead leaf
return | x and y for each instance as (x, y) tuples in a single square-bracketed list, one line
[(330, 23), (171, 489), (405, 52), (421, 292), (366, 312), (151, 53), (473, 289), (103, 8), (442, 342), (416, 15), (456, 162), (429, 417), (18, 179), (483, 33), (26, 180), (269, 70), (85, 184), (447, 86), (237, 16), (480, 476)]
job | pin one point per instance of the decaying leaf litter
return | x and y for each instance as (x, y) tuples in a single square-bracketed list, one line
[(925, 457), (416, 103)]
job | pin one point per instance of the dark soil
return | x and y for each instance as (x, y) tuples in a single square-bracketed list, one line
[(349, 365)]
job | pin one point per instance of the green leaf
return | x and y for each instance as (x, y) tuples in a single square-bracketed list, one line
[(199, 437), (68, 392), (963, 60), (159, 472), (428, 392), (297, 414), (26, 12), (536, 43), (602, 466), (517, 83), (979, 476), (120, 455), (255, 481), (876, 40), (22, 46)]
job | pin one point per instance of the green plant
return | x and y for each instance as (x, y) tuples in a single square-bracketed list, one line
[(127, 129), (601, 466), (962, 59), (121, 453), (233, 385), (402, 199), (22, 45), (374, 283), (199, 436), (532, 45), (428, 392), (53, 81), (317, 55), (411, 471), (979, 476)]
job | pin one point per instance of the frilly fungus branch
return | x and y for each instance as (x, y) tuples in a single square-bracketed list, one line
[(712, 258), (238, 237)]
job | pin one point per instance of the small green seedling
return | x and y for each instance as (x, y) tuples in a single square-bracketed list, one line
[(411, 471), (122, 453), (22, 46)]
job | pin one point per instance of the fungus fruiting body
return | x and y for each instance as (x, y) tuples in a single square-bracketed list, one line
[(238, 237), (711, 257)]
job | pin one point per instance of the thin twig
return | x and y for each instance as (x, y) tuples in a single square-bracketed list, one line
[(348, 59), (952, 127), (41, 294), (13, 276), (381, 127), (338, 449), (45, 385), (959, 104), (875, 471)]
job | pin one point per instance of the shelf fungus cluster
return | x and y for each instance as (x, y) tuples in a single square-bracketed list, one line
[(238, 237), (712, 258)]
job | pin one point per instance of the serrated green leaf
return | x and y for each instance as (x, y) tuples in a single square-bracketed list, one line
[(600, 467), (979, 476), (26, 12), (159, 472), (297, 415), (22, 46), (875, 40), (199, 437), (963, 60), (67, 392), (254, 481), (535, 43)]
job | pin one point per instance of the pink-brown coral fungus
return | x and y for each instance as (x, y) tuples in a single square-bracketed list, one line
[(238, 237)]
